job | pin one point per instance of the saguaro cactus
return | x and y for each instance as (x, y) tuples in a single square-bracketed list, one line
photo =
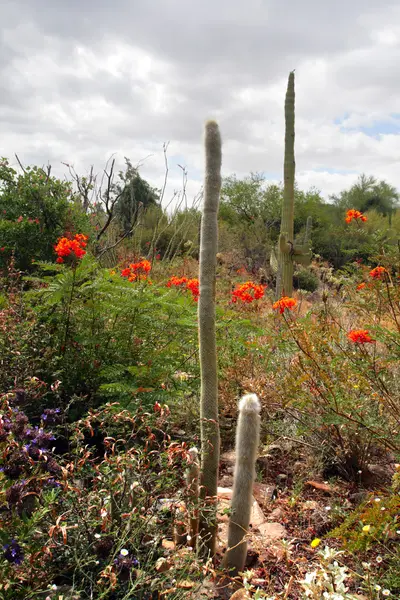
[(287, 251), (210, 439), (247, 439)]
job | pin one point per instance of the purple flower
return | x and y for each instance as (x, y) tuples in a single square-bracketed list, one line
[(13, 553), (125, 566), (51, 416), (51, 482)]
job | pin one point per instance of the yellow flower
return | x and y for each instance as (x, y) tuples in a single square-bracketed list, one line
[(316, 542), (366, 528)]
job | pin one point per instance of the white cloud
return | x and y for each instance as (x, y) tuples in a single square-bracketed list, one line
[(82, 81)]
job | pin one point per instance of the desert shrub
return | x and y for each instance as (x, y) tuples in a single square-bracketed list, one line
[(90, 523), (306, 280), (336, 374), (35, 209), (111, 338)]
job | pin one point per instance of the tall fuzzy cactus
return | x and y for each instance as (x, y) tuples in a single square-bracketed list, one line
[(247, 440), (210, 438), (287, 251), (192, 482)]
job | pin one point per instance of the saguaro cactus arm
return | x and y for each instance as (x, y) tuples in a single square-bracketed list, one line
[(247, 440), (210, 439)]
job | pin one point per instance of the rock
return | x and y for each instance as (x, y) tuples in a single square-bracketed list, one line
[(323, 487), (167, 544), (276, 514), (274, 449), (263, 493), (358, 497), (224, 493), (257, 516), (272, 531), (162, 565), (241, 595), (379, 473)]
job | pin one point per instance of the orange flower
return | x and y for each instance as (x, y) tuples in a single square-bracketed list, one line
[(177, 281), (378, 273), (189, 284), (361, 286), (71, 247), (247, 292), (284, 302), (135, 270), (193, 286), (360, 336), (354, 214)]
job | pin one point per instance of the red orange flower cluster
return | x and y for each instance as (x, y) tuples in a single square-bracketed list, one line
[(285, 302), (137, 270), (378, 272), (247, 292), (361, 286), (71, 247), (189, 284), (360, 336), (354, 214)]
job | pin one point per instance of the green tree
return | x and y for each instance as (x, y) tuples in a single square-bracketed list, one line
[(35, 209), (367, 194), (133, 193)]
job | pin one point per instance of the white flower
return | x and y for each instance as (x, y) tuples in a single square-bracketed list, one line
[(97, 536), (379, 559), (377, 588), (327, 508), (377, 499), (385, 593), (124, 552)]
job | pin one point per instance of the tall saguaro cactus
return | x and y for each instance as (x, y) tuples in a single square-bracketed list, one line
[(247, 439), (210, 438), (284, 280), (287, 251)]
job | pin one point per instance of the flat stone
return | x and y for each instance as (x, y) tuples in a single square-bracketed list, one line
[(262, 492), (272, 531), (276, 514)]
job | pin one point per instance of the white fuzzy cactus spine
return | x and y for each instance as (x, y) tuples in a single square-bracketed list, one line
[(247, 440), (193, 486)]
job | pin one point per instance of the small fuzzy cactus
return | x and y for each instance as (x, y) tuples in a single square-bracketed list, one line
[(210, 437), (247, 440)]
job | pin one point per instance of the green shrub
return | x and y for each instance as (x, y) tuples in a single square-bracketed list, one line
[(306, 280), (35, 209)]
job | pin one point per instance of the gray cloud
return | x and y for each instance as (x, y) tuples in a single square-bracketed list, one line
[(82, 80)]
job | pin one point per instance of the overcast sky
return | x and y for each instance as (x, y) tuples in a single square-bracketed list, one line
[(82, 80)]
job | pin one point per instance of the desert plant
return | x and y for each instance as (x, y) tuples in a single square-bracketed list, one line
[(210, 439), (287, 252), (247, 439)]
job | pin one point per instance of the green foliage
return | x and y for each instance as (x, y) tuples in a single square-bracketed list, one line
[(133, 193), (35, 209), (306, 280), (373, 523)]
